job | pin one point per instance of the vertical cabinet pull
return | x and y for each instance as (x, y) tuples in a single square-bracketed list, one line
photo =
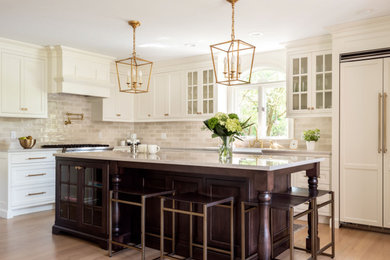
[(379, 122), (384, 122)]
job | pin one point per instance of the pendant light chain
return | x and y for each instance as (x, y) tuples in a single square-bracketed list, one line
[(233, 36), (134, 53)]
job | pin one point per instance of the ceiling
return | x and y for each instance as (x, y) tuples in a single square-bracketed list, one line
[(174, 28)]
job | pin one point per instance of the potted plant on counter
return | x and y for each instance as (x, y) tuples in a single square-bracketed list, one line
[(311, 137), (228, 127)]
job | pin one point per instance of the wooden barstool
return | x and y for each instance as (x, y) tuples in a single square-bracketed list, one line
[(144, 194), (206, 202), (313, 196), (281, 202)]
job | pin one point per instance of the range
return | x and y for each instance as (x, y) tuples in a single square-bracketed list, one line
[(79, 147)]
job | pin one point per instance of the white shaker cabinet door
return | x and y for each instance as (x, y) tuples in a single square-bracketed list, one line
[(11, 83), (386, 152), (361, 85), (34, 87), (124, 106), (162, 95)]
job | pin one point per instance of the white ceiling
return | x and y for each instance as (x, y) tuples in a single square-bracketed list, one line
[(169, 26)]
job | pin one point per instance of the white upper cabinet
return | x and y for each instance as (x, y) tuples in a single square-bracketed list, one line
[(119, 107), (79, 72), (23, 81), (161, 92), (309, 80)]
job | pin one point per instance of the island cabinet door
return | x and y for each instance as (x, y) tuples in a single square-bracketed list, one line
[(219, 224), (82, 196)]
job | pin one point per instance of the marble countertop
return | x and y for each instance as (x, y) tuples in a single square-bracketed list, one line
[(199, 158)]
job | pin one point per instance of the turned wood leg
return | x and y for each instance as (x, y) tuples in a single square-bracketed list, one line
[(115, 207), (313, 185), (264, 242)]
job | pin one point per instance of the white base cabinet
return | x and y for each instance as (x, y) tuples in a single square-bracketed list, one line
[(27, 182)]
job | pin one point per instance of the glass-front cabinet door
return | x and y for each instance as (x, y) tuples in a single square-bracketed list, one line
[(300, 78), (69, 195), (322, 94), (200, 92), (92, 190)]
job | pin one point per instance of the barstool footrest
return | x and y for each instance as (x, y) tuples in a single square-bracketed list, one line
[(213, 249)]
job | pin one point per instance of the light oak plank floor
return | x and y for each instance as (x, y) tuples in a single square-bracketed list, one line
[(29, 237)]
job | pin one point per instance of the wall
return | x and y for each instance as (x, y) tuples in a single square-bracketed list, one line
[(53, 129)]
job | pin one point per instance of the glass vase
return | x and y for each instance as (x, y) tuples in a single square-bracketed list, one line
[(226, 149)]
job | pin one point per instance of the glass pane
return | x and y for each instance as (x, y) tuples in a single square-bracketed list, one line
[(304, 84), (328, 99), (205, 92), (64, 173), (295, 66), (64, 210), (189, 78), (211, 91), (211, 106), (73, 212), (204, 76), (195, 107), (248, 107), (195, 92), (189, 108), (295, 84), (88, 196), (319, 81), (295, 104), (275, 110), (88, 177), (189, 93), (205, 106), (319, 100), (328, 81), (304, 65), (211, 76), (319, 63), (73, 175), (72, 193), (98, 178), (97, 218), (195, 78), (87, 215), (304, 101), (98, 197), (328, 62), (64, 192)]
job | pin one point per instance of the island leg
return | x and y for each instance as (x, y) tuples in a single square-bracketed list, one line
[(313, 190), (264, 241)]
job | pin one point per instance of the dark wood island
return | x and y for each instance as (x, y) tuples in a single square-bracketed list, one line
[(83, 181)]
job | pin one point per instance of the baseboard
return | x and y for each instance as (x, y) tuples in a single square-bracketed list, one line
[(5, 214), (23, 211)]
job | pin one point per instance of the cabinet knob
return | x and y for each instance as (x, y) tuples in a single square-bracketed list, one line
[(149, 115), (166, 114), (118, 114), (23, 108), (78, 167)]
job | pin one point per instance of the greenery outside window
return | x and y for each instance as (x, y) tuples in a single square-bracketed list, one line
[(265, 103)]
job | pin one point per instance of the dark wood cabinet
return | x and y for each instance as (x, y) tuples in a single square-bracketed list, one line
[(82, 199)]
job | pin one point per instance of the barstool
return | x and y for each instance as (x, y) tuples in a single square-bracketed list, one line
[(144, 193), (313, 196), (281, 202), (206, 202)]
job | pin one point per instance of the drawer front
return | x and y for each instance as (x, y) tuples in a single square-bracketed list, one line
[(31, 196), (33, 157), (33, 175)]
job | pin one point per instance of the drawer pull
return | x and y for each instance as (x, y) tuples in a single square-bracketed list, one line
[(166, 114), (78, 167), (36, 193), (36, 158), (37, 174), (199, 113)]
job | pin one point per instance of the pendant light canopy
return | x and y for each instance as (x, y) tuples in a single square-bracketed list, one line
[(131, 72), (236, 56)]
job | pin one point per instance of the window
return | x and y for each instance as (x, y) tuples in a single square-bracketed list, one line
[(264, 102)]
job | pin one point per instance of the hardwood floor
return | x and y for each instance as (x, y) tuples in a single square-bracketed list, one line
[(29, 237)]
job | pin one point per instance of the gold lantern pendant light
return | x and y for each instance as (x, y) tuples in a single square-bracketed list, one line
[(131, 71), (237, 55)]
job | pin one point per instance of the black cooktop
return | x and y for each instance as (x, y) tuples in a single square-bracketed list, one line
[(73, 145)]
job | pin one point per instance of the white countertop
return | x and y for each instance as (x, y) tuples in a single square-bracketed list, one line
[(200, 158)]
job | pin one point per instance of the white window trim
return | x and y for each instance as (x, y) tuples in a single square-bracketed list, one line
[(232, 105)]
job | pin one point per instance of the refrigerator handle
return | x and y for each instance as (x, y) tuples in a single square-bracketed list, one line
[(385, 122), (379, 122)]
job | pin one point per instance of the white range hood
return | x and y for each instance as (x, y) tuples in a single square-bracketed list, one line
[(78, 72)]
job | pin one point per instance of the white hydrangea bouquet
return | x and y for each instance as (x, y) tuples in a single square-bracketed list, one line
[(228, 127)]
